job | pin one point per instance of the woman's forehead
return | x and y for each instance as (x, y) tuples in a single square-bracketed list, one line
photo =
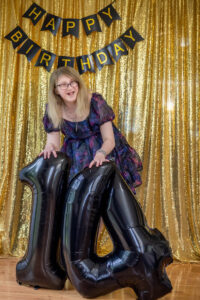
[(64, 77)]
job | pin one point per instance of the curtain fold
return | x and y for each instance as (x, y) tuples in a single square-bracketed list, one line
[(154, 92)]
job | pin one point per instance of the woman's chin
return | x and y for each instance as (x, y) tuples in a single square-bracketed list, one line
[(70, 99)]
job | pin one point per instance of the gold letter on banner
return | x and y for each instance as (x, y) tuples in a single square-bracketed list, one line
[(65, 61), (99, 57), (70, 25), (102, 58), (117, 49), (51, 23), (16, 36), (29, 49), (46, 59), (35, 13), (130, 36), (91, 24), (107, 13), (85, 63)]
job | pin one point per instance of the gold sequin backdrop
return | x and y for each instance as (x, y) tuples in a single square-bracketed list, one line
[(154, 92)]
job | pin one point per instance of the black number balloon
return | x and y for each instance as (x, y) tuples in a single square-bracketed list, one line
[(63, 233), (41, 266), (140, 254)]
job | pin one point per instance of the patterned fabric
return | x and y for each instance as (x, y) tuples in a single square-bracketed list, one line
[(83, 139)]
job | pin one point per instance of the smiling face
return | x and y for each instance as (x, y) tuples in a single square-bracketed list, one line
[(67, 88)]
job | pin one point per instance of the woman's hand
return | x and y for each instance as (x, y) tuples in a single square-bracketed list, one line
[(49, 148), (98, 159)]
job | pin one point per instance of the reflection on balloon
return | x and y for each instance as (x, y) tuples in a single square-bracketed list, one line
[(63, 233), (41, 267), (140, 254)]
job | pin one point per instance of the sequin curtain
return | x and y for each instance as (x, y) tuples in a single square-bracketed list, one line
[(154, 92)]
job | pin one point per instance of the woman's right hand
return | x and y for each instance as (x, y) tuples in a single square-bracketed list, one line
[(49, 148)]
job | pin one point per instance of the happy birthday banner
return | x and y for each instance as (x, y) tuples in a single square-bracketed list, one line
[(84, 63), (71, 26)]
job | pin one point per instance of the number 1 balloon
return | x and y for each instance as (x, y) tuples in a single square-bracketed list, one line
[(41, 265)]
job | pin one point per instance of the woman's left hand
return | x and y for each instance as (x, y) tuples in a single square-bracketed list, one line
[(98, 160)]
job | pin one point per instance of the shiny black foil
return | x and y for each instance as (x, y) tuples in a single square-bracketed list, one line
[(63, 233), (41, 266), (140, 254)]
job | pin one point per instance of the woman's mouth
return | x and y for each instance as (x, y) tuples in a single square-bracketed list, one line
[(70, 94)]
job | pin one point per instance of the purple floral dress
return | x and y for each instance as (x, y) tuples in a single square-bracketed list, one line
[(83, 139)]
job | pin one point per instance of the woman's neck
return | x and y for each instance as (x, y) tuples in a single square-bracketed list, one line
[(69, 107)]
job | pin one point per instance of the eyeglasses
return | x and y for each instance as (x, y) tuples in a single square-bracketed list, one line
[(64, 86)]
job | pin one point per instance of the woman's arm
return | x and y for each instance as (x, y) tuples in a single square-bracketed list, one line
[(107, 146), (52, 144)]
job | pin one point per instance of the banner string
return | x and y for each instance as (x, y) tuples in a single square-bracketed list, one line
[(82, 17)]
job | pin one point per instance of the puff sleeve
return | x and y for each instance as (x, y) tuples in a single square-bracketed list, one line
[(104, 111)]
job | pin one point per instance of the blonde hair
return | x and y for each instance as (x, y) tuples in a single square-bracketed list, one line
[(55, 102)]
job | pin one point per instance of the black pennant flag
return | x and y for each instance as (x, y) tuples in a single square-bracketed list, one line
[(85, 63), (109, 14), (16, 36), (102, 58), (29, 48), (35, 13), (51, 23), (117, 49), (131, 36), (64, 61), (70, 26), (90, 24), (45, 60)]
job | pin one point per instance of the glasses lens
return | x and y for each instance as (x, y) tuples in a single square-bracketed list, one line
[(73, 83)]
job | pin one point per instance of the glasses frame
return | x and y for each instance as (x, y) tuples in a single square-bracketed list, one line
[(65, 86)]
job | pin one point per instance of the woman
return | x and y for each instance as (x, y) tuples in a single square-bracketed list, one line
[(86, 121)]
